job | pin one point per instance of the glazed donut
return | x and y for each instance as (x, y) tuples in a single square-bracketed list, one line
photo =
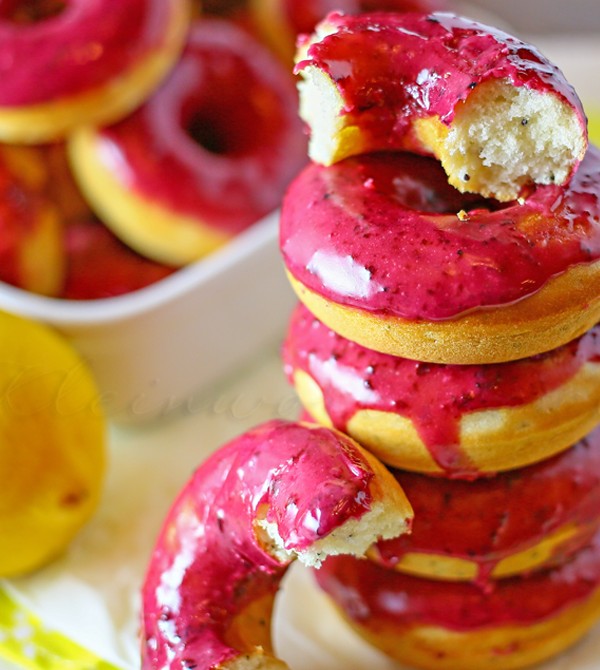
[(493, 109), (99, 265), (32, 254), (77, 67), (381, 249), (514, 523), (280, 22), (281, 491), (457, 625), (459, 421), (204, 158)]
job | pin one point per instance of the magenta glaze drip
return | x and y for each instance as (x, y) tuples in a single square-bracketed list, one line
[(207, 565), (380, 233), (370, 594), (392, 69), (484, 521), (206, 146), (85, 47), (433, 396)]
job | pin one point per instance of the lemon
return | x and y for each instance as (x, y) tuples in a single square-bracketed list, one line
[(594, 124), (52, 444)]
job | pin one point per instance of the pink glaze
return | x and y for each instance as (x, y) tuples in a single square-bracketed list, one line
[(490, 519), (391, 69), (208, 565), (220, 140), (434, 397), (380, 233), (370, 594), (85, 46), (303, 15), (99, 265)]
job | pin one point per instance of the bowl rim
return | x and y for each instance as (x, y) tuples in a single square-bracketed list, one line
[(63, 312)]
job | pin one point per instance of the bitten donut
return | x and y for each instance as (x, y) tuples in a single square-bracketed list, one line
[(209, 154), (381, 249), (82, 61), (492, 108), (281, 21), (514, 523), (281, 491), (459, 421), (457, 625), (32, 253)]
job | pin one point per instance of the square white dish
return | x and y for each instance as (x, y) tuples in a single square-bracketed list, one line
[(152, 349)]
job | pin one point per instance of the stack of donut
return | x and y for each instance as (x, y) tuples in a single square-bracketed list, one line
[(445, 244), (143, 151)]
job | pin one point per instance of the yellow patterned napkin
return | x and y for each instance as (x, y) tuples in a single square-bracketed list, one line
[(29, 643)]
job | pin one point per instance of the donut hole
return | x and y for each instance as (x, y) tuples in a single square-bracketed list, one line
[(229, 122), (419, 183), (26, 12), (505, 137), (436, 197)]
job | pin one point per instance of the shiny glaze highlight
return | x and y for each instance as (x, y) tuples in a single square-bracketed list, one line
[(303, 15), (420, 66), (209, 567), (84, 47), (381, 233), (219, 140), (434, 397)]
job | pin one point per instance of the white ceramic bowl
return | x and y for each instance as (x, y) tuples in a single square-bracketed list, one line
[(153, 349)]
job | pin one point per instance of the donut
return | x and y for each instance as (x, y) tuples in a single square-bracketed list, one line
[(100, 266), (492, 108), (204, 158), (32, 254), (514, 523), (381, 249), (455, 420), (280, 22), (438, 625), (97, 264), (280, 491), (82, 61)]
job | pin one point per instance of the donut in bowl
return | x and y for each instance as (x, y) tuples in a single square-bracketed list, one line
[(32, 253), (386, 253), (452, 420), (97, 264), (208, 155), (82, 61), (100, 266)]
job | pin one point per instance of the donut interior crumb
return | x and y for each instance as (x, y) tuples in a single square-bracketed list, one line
[(354, 537), (321, 105), (506, 136), (503, 137)]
